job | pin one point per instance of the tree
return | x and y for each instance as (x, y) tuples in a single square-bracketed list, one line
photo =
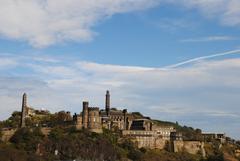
[(27, 139), (56, 134), (0, 134), (13, 121)]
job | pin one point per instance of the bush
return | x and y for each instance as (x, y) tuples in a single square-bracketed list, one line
[(27, 139)]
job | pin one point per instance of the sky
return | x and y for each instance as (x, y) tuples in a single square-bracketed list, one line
[(172, 60)]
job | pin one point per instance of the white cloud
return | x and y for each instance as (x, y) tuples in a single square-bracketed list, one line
[(46, 22), (226, 11), (90, 66)]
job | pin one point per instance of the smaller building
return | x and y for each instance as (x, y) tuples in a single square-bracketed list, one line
[(208, 137), (141, 124), (145, 134), (164, 131)]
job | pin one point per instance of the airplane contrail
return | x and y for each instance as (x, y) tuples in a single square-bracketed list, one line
[(202, 58)]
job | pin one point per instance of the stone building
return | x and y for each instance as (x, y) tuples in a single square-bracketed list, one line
[(89, 118), (142, 134), (28, 111), (165, 132), (141, 130), (145, 134), (208, 137), (138, 128), (114, 119), (110, 118), (141, 124)]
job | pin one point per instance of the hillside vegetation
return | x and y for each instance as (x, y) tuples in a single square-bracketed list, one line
[(67, 143)]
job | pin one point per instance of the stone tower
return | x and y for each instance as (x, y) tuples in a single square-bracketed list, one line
[(94, 121), (107, 103), (125, 119), (24, 106), (85, 115)]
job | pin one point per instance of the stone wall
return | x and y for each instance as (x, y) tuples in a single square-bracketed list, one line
[(94, 121), (146, 139), (164, 131), (7, 134)]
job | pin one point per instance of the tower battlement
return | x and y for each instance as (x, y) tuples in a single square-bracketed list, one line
[(93, 108)]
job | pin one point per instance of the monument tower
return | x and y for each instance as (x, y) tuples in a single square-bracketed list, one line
[(24, 106), (107, 103)]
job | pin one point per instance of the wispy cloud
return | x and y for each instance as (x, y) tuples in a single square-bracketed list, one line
[(6, 62), (174, 24), (202, 58), (210, 39), (205, 90)]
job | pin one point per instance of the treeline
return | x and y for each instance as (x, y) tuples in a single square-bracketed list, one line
[(46, 120)]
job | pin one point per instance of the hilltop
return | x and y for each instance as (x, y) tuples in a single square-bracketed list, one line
[(107, 134), (64, 143)]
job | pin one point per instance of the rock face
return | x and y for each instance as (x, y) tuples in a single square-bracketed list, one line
[(192, 147)]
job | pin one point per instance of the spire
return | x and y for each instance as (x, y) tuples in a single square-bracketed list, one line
[(107, 103), (24, 106)]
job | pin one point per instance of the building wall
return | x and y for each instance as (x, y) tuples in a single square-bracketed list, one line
[(117, 120), (94, 121), (89, 119), (146, 139), (78, 121), (141, 124), (164, 131)]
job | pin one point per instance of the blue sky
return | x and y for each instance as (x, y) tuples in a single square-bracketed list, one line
[(63, 53)]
